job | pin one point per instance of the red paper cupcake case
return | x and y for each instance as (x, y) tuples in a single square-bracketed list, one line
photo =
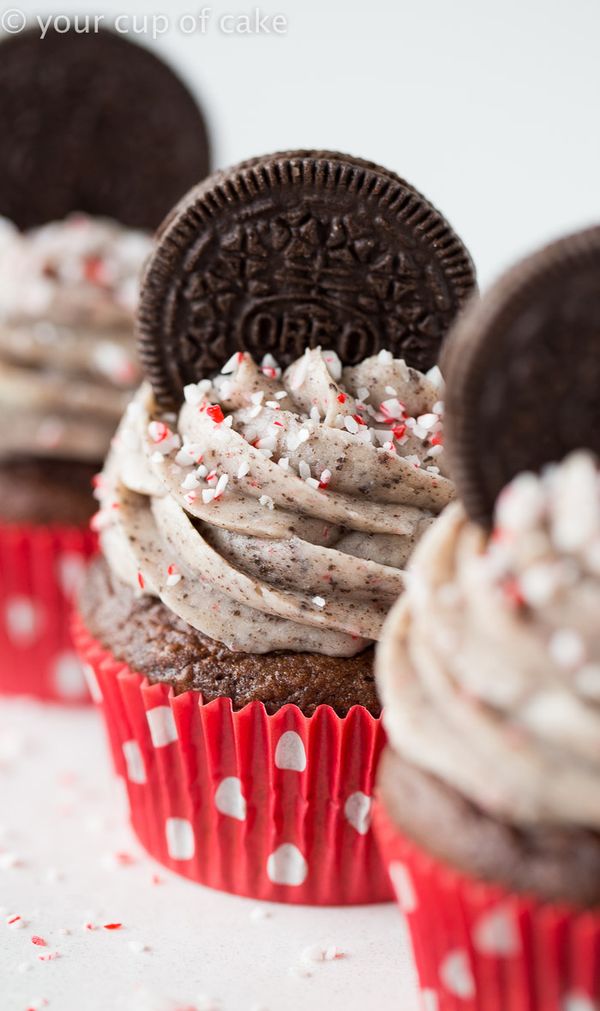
[(40, 571), (478, 947), (272, 807)]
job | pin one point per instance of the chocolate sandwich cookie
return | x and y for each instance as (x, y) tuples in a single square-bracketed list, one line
[(96, 124), (523, 371), (293, 251)]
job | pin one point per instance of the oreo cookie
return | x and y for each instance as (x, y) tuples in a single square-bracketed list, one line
[(94, 123), (523, 372), (296, 250)]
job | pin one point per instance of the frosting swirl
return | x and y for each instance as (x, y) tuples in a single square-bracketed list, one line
[(489, 667), (68, 291), (278, 512)]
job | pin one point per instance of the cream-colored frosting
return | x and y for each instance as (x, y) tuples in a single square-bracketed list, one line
[(489, 666), (278, 512), (67, 297)]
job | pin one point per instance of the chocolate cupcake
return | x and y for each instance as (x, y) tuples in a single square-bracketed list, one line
[(84, 114), (489, 666), (255, 519)]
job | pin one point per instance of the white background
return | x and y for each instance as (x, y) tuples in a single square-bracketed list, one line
[(490, 107)]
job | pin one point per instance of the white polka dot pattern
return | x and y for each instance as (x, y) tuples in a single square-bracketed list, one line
[(23, 617), (229, 799), (403, 886), (287, 866), (357, 811), (495, 933), (429, 1000), (290, 752), (181, 844), (578, 1002), (92, 682), (70, 570), (456, 975), (134, 762), (67, 676), (163, 729)]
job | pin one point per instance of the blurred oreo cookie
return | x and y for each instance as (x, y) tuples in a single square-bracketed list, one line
[(92, 122), (523, 371)]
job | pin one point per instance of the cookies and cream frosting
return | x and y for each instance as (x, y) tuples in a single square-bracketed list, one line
[(489, 666), (278, 511), (68, 291)]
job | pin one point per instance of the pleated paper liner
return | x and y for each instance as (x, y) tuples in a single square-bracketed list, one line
[(273, 807), (479, 947), (40, 571)]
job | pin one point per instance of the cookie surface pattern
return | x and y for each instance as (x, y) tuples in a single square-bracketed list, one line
[(523, 372), (293, 251)]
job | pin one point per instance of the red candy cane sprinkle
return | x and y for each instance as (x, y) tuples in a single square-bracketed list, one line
[(141, 581), (342, 398), (215, 414), (113, 926), (36, 939)]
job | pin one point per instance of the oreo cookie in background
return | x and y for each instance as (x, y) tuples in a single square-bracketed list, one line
[(296, 250), (94, 123), (522, 369)]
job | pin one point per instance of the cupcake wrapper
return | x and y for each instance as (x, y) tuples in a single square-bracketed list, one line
[(274, 807), (479, 947), (40, 571)]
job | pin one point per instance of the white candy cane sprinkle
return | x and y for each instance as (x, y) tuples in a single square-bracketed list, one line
[(208, 495), (173, 575), (221, 485), (233, 364), (243, 469), (319, 601), (190, 482), (266, 500)]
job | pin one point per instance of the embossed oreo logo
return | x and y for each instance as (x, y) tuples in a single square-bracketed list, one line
[(285, 326), (284, 279)]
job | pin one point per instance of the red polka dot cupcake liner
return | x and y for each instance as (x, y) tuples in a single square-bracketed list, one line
[(478, 947), (274, 807), (40, 572)]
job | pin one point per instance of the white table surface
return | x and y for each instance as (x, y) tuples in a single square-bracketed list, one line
[(68, 858)]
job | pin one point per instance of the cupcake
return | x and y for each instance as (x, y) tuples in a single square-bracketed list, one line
[(73, 240), (488, 811), (257, 509)]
